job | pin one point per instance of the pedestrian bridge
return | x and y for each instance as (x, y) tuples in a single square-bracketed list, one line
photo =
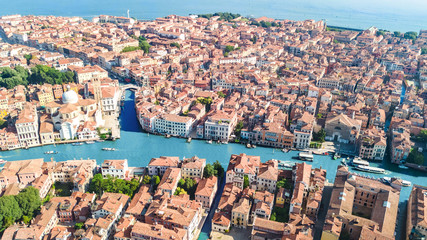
[(129, 86)]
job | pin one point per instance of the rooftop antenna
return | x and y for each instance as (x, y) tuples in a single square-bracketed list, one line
[(128, 13)]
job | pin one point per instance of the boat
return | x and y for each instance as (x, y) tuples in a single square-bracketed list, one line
[(90, 142), (306, 156), (406, 183), (343, 162), (336, 156), (109, 149), (248, 145), (224, 142), (50, 152), (209, 141), (358, 161), (189, 140), (77, 144), (167, 136), (2, 161), (401, 166), (100, 140), (286, 164), (369, 169), (253, 146), (386, 179)]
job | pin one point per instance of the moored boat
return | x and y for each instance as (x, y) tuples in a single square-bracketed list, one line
[(358, 161), (2, 161), (248, 145), (109, 149), (406, 183), (209, 141), (370, 169), (306, 156), (90, 142), (50, 152), (189, 140), (77, 144)]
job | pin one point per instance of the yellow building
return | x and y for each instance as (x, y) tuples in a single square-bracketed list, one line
[(45, 97), (240, 213)]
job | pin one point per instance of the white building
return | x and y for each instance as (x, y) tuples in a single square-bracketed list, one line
[(174, 125), (220, 126), (115, 168), (110, 100), (27, 127)]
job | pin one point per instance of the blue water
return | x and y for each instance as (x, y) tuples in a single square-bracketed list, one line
[(139, 148), (408, 15)]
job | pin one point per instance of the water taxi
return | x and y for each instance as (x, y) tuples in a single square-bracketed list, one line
[(406, 183), (109, 149), (50, 152), (370, 169), (358, 161), (306, 156)]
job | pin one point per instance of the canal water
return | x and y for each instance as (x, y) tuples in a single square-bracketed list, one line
[(138, 148)]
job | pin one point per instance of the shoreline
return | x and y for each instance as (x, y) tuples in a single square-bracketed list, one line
[(336, 26)]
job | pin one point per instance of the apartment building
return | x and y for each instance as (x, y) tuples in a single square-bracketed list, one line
[(115, 168), (193, 167), (220, 125)]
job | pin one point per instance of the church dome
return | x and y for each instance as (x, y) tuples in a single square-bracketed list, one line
[(69, 96)]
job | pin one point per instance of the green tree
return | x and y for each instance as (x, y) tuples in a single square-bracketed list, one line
[(26, 219), (130, 49), (229, 48), (29, 200), (10, 211), (218, 169), (209, 171), (238, 129), (423, 51), (319, 115), (397, 33), (245, 181), (273, 216), (221, 94), (415, 157), (143, 44), (156, 180), (146, 180), (283, 183), (320, 135), (78, 225), (410, 35), (175, 44), (180, 191)]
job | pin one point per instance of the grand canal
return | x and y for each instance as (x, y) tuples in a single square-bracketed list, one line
[(138, 148)]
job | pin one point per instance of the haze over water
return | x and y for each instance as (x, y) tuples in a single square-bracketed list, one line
[(393, 15)]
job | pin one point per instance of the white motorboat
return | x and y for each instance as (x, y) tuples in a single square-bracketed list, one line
[(109, 149), (370, 169)]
